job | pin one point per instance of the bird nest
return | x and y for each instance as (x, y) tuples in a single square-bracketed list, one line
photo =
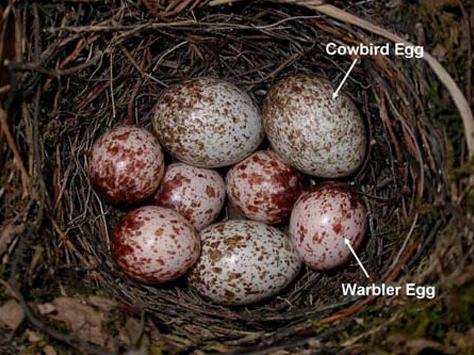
[(84, 67)]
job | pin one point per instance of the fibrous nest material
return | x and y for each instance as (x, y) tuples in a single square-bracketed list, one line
[(77, 68)]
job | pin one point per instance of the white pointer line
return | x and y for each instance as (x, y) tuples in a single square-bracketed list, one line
[(348, 243), (336, 93)]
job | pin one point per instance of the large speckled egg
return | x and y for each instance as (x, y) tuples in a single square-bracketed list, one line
[(263, 187), (208, 123), (315, 133), (320, 221), (126, 165), (155, 244), (196, 193), (243, 262)]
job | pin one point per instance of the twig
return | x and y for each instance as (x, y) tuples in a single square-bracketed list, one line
[(25, 178)]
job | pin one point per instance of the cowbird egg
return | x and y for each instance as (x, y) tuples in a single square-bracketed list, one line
[(263, 187), (126, 164), (208, 123), (155, 244), (317, 134), (196, 193), (243, 262), (320, 221)]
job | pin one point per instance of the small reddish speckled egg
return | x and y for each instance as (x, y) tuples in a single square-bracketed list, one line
[(263, 187), (321, 219), (315, 133), (126, 165), (196, 193), (208, 123), (243, 262), (155, 244)]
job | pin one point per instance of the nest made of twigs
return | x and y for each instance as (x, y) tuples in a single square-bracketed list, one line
[(87, 67)]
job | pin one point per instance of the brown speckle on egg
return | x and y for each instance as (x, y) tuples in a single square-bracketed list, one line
[(243, 262), (315, 133), (208, 123)]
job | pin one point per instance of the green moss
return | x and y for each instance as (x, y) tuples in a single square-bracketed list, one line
[(461, 305), (418, 321), (463, 171), (317, 326), (470, 201), (155, 350)]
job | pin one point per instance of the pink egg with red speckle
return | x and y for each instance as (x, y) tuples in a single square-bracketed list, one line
[(263, 187), (126, 165), (196, 193), (320, 221), (155, 244)]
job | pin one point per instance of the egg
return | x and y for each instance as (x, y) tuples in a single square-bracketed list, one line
[(208, 123), (196, 193), (243, 262), (315, 133), (154, 244), (263, 187), (126, 165), (320, 221)]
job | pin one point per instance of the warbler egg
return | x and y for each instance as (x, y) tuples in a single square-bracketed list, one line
[(320, 222), (196, 193), (126, 165), (263, 187), (154, 244)]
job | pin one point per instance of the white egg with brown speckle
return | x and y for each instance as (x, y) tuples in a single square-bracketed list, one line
[(196, 193), (208, 123), (155, 244), (320, 221), (126, 165), (315, 133), (243, 262)]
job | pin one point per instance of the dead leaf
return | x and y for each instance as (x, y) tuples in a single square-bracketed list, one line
[(8, 233), (11, 314), (141, 351), (83, 320), (32, 336), (134, 330), (470, 335), (438, 3), (422, 343), (465, 276), (46, 308), (102, 303), (439, 52), (49, 350)]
